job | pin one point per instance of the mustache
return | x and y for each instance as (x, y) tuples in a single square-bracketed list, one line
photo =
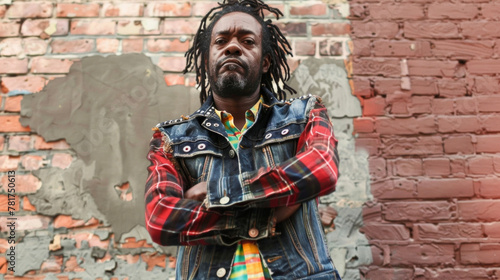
[(231, 59)]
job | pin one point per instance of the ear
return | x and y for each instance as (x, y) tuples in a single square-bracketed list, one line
[(266, 63)]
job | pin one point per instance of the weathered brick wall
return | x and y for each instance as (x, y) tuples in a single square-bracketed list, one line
[(40, 40), (427, 74)]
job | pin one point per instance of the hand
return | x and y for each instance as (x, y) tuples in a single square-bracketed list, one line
[(197, 192), (283, 212)]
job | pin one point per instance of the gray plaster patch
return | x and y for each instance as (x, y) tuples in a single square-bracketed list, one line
[(31, 252), (105, 109), (328, 79)]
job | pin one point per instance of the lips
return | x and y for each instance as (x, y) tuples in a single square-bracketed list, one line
[(232, 61)]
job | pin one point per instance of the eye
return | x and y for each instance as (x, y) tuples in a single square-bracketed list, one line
[(249, 41), (219, 41)]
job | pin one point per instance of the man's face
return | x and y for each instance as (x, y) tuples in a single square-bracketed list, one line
[(235, 63)]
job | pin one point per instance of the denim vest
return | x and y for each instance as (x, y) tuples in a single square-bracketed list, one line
[(200, 145)]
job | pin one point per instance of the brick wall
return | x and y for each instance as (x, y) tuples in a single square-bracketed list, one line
[(427, 74), (40, 40)]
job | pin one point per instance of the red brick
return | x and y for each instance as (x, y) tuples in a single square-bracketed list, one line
[(371, 146), (363, 125), (488, 104), (420, 105), (492, 230), (407, 167), (452, 11), (305, 48), (32, 162), (361, 47), (486, 85), (11, 47), (72, 46), (62, 161), (445, 188), (421, 86), (293, 28), (37, 27), (463, 49), (458, 144), (331, 47), (77, 10), (68, 222), (466, 106), (387, 86), (436, 166), (488, 144), (481, 165), (432, 68), (24, 183), (452, 87), (402, 48), (4, 203), (2, 142), (330, 29), (93, 27), (173, 79), (422, 254), (418, 211), (396, 11), (180, 26), (379, 29), (13, 65), (107, 45), (491, 10), (172, 64), (372, 212), (430, 29), (376, 231), (480, 29), (13, 103), (35, 9), (9, 28), (149, 26), (447, 124), (132, 45), (442, 106), (387, 67), (123, 9), (361, 87), (40, 144), (377, 168), (479, 210), (200, 9), (489, 187), (491, 123), (496, 163), (374, 106), (50, 65), (168, 9), (167, 45), (377, 273), (457, 166), (424, 145), (447, 231), (310, 9), (407, 126), (393, 189), (35, 46), (52, 265), (11, 124), (484, 66), (35, 222), (479, 254), (20, 143)]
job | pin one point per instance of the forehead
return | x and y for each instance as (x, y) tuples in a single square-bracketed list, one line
[(237, 21)]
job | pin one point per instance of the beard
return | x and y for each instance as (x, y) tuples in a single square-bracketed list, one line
[(232, 83)]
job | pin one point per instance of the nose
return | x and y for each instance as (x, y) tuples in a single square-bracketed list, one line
[(233, 48)]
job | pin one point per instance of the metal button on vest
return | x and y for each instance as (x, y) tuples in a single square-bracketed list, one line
[(253, 232), (186, 149), (216, 125), (224, 200), (221, 272), (202, 146), (232, 153), (208, 124), (268, 136), (284, 131)]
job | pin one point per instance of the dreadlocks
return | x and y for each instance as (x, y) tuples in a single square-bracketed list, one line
[(274, 44)]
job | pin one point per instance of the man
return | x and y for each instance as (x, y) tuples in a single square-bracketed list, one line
[(235, 183)]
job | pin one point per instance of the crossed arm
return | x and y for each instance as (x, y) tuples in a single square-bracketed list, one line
[(175, 216)]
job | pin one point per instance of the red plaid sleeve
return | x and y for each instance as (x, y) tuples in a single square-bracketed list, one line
[(313, 172), (173, 220)]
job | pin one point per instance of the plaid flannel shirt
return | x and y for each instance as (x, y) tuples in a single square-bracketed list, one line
[(173, 220)]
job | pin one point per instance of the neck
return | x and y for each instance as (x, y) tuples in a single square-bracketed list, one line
[(237, 105)]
